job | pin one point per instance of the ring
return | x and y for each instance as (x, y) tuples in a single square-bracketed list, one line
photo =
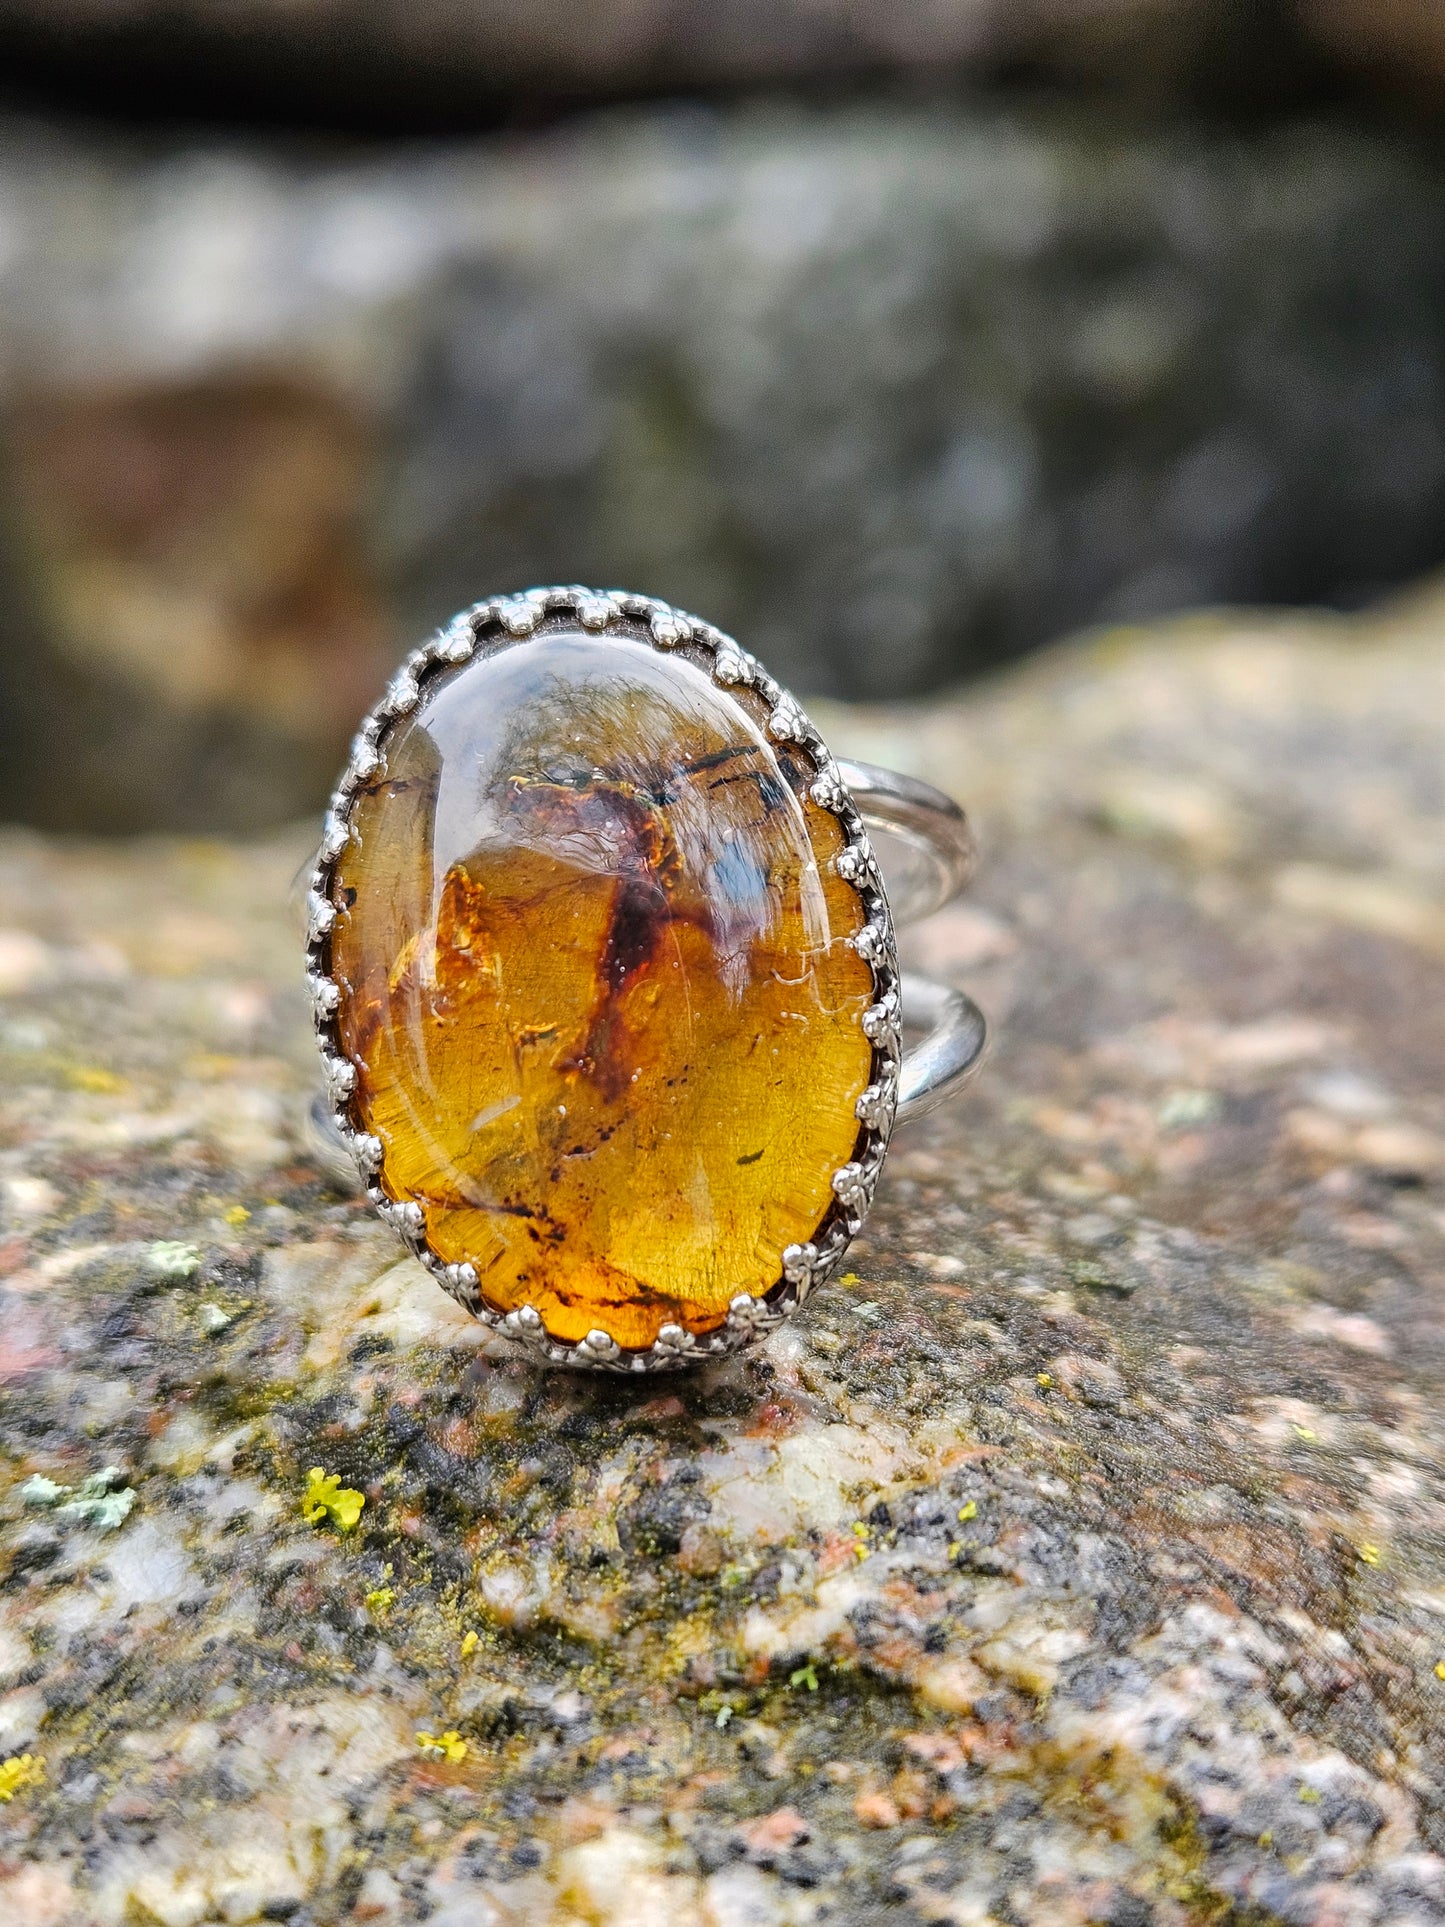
[(605, 978)]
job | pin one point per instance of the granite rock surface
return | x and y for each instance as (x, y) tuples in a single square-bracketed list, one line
[(895, 391), (1079, 1557)]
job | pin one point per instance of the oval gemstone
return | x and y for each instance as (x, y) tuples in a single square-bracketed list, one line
[(597, 984)]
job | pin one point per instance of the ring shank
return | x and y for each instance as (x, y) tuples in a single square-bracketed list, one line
[(926, 828), (951, 1054), (932, 838)]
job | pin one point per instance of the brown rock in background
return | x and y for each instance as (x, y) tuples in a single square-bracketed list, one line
[(198, 586), (1399, 42), (378, 60), (224, 512), (380, 63)]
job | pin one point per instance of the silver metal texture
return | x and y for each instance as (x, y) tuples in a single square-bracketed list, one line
[(950, 1056), (926, 826), (928, 830)]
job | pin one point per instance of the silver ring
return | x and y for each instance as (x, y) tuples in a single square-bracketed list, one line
[(606, 983)]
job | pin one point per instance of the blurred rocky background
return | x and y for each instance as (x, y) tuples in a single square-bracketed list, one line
[(901, 340)]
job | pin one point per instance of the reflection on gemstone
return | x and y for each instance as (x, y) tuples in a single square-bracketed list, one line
[(596, 983)]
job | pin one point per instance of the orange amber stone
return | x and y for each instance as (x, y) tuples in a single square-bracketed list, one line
[(597, 986)]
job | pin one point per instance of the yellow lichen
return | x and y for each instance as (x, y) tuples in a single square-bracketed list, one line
[(449, 1745), (238, 1214), (1370, 1554), (381, 1599), (20, 1770), (469, 1645), (326, 1497), (101, 1083), (1044, 1380), (1440, 1669), (970, 1511)]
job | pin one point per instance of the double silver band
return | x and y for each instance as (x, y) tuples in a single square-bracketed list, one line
[(927, 853)]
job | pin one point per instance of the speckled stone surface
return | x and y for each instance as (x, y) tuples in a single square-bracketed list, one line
[(1079, 1558)]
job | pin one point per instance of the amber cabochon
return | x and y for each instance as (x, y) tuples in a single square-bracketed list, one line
[(597, 982)]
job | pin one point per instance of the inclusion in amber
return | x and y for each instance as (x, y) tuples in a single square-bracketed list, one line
[(597, 985)]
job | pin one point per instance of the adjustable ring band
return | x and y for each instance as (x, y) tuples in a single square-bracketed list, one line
[(934, 838), (926, 827), (952, 1053), (606, 984)]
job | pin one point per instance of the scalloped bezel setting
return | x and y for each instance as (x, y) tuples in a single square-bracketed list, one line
[(507, 622)]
